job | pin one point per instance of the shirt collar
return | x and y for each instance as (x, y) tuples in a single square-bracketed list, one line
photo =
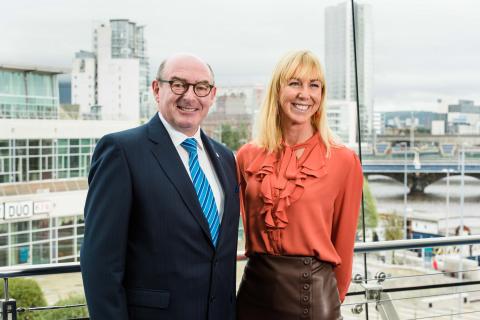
[(177, 136)]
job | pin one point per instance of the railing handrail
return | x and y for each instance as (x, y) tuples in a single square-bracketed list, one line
[(366, 247), (360, 247), (39, 270)]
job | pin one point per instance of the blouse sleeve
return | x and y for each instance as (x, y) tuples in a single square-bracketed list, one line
[(346, 213)]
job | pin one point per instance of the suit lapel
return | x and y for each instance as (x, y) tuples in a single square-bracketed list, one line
[(171, 163), (217, 160)]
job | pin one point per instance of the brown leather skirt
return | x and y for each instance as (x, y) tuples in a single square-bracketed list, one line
[(287, 288)]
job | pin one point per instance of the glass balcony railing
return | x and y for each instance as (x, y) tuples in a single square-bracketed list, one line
[(448, 288)]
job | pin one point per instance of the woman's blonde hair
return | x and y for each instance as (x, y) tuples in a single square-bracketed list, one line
[(300, 65)]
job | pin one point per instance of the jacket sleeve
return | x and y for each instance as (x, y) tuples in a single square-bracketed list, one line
[(346, 213), (107, 212)]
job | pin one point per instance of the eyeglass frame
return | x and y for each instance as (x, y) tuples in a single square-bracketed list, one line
[(188, 84)]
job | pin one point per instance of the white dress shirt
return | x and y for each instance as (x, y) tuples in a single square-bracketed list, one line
[(203, 159)]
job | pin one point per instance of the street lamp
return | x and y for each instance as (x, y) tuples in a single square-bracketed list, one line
[(462, 200), (405, 188), (448, 171)]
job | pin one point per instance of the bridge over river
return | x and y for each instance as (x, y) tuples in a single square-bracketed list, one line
[(419, 173)]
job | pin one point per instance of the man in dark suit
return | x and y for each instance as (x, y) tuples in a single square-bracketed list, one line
[(161, 215)]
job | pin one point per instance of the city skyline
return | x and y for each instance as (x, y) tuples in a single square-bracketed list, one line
[(423, 51)]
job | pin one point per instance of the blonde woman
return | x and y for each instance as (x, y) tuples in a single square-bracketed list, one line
[(300, 197)]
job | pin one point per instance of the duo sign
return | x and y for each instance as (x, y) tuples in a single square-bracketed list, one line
[(24, 209)]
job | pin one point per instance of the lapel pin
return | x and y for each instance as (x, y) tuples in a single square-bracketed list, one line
[(217, 155)]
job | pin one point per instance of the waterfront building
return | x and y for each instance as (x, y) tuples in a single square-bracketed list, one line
[(339, 58), (28, 92), (44, 162), (420, 121), (464, 117)]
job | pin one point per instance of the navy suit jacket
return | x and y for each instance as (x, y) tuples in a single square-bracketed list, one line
[(147, 250)]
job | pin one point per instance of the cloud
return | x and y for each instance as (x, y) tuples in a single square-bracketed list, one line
[(422, 49)]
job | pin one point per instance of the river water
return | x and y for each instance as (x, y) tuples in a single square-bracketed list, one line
[(389, 196)]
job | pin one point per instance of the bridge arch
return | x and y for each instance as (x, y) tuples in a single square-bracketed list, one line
[(418, 181)]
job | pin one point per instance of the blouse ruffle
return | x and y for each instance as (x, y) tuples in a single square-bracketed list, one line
[(282, 178)]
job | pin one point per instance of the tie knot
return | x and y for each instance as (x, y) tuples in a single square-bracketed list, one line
[(190, 144)]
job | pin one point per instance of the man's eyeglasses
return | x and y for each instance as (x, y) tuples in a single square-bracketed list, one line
[(201, 89)]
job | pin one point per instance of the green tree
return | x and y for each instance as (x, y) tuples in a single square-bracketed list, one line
[(70, 313), (370, 208), (393, 229), (234, 137), (27, 293)]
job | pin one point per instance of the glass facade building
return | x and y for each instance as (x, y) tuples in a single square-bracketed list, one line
[(24, 160), (44, 162), (28, 93), (41, 241)]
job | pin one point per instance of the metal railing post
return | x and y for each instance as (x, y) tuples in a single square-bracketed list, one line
[(374, 293), (8, 307), (386, 308)]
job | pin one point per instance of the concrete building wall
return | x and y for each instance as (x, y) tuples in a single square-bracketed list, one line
[(118, 89), (84, 83)]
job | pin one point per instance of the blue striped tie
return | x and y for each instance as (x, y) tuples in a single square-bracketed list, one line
[(203, 189)]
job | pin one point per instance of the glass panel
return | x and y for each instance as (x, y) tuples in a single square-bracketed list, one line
[(62, 146), (3, 228), (40, 224), (65, 248), (33, 163), (3, 257), (20, 255), (80, 230), (66, 232), (20, 238), (41, 235), (65, 221), (20, 226), (41, 253), (79, 244)]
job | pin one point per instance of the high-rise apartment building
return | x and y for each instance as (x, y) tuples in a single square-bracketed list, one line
[(339, 59), (118, 66)]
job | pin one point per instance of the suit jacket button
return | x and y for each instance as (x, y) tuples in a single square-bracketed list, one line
[(307, 261), (212, 299)]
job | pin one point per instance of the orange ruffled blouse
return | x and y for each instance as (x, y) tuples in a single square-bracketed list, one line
[(307, 206)]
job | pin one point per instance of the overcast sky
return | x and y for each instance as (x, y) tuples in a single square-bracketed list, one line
[(423, 49)]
